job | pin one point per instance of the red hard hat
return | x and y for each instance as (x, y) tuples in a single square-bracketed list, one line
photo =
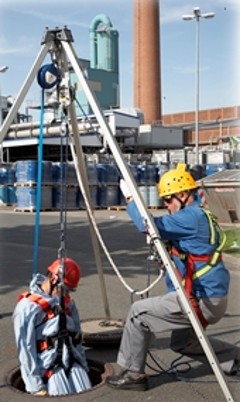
[(71, 274)]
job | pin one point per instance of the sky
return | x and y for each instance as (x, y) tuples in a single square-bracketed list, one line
[(23, 23)]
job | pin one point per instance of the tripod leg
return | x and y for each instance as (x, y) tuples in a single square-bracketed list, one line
[(23, 91), (153, 232)]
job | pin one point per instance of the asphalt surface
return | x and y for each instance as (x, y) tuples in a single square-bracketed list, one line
[(193, 382)]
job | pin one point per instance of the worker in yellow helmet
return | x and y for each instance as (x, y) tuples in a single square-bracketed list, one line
[(195, 242), (175, 181)]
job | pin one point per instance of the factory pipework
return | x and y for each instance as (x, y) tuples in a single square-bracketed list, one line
[(103, 44), (147, 81)]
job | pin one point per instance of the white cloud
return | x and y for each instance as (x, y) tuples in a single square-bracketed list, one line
[(22, 46), (53, 17)]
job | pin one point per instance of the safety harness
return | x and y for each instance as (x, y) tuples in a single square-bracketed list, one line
[(211, 260), (63, 336)]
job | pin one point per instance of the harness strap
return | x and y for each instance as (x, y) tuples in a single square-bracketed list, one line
[(47, 374), (210, 260), (41, 301), (42, 345), (46, 344), (188, 284), (195, 304), (191, 259), (188, 287), (191, 275), (63, 337)]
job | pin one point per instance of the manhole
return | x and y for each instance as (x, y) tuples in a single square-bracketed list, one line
[(98, 371), (102, 331)]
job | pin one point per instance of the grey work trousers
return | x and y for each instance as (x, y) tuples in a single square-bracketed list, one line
[(164, 313)]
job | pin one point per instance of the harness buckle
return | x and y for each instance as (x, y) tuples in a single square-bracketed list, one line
[(63, 333)]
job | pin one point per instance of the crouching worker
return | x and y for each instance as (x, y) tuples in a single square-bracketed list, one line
[(195, 243), (48, 333)]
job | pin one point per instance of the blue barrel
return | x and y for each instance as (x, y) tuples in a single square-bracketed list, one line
[(108, 173), (152, 175), (7, 174), (162, 168), (121, 198), (102, 197), (143, 175), (64, 172), (212, 168), (3, 175), (80, 200), (11, 178), (102, 173), (92, 173), (26, 197), (112, 196), (27, 171), (94, 195), (134, 171), (113, 174), (71, 198), (93, 190), (11, 195), (153, 197), (108, 196), (3, 194), (144, 191)]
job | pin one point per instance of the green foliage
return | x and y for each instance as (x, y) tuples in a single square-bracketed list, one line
[(232, 245)]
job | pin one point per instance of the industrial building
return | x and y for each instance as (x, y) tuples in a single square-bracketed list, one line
[(142, 129), (150, 142)]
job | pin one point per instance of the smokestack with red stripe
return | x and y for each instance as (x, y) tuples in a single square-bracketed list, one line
[(147, 86)]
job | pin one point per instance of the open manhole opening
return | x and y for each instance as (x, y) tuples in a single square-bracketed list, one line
[(98, 371)]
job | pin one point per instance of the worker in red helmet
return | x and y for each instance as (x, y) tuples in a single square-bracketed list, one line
[(71, 275), (48, 333)]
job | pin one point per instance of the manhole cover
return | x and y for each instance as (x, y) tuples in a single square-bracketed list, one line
[(102, 331)]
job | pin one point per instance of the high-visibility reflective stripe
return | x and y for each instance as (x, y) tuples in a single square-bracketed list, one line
[(202, 271), (215, 228), (213, 260), (211, 222)]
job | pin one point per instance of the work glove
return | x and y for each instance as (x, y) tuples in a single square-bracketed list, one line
[(124, 189), (42, 392)]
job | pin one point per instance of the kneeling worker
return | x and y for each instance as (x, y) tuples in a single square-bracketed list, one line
[(195, 243), (48, 333)]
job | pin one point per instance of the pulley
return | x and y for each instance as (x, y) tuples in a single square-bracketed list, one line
[(48, 76)]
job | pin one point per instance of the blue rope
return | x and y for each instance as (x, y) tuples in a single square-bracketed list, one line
[(39, 187)]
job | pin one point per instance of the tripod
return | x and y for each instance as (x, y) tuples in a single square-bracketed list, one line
[(58, 43)]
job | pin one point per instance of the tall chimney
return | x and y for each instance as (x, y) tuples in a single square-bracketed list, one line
[(147, 85)]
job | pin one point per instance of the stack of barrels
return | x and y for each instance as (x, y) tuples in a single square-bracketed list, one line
[(7, 179), (60, 187)]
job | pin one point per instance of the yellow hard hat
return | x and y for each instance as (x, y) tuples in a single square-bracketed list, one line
[(176, 180)]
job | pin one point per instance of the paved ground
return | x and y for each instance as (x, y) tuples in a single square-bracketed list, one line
[(129, 251)]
